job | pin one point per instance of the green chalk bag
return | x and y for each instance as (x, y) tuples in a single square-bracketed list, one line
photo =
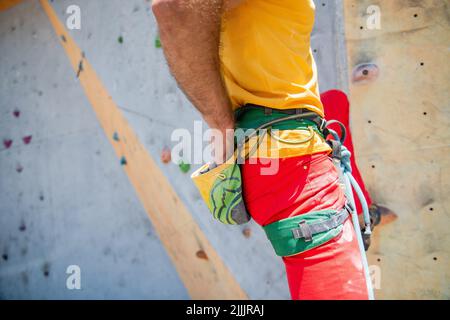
[(221, 189)]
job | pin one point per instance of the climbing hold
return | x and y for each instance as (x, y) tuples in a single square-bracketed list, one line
[(184, 167), (247, 232), (120, 39), (63, 38), (116, 136), (166, 155), (366, 72), (157, 42), (7, 143), (201, 254), (19, 168), (27, 139), (46, 269), (16, 113), (80, 68), (123, 161), (22, 227)]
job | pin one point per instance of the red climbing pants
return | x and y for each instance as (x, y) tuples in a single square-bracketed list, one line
[(302, 184)]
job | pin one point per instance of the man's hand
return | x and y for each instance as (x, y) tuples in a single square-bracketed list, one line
[(190, 36), (222, 145)]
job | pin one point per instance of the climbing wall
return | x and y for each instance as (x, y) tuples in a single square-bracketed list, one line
[(85, 123), (64, 197), (399, 79)]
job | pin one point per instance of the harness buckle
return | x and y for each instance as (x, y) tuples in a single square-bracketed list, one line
[(297, 234), (304, 231), (267, 111)]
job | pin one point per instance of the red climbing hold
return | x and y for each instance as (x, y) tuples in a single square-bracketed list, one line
[(26, 139), (165, 155), (7, 143), (16, 113)]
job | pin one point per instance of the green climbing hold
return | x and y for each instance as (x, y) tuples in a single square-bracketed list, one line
[(120, 39), (123, 161), (184, 167), (157, 42), (116, 136)]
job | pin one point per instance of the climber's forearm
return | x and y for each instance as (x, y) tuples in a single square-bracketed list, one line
[(190, 34)]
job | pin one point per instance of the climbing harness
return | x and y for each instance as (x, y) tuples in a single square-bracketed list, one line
[(221, 186), (307, 231), (301, 233)]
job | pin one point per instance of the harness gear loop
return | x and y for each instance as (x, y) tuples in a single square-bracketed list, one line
[(298, 141), (269, 124)]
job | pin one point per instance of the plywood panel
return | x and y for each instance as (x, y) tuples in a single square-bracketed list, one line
[(400, 121)]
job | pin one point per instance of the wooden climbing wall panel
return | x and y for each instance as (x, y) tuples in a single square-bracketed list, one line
[(400, 119)]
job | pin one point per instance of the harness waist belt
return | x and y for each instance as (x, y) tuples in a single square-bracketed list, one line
[(253, 116), (307, 230), (304, 232)]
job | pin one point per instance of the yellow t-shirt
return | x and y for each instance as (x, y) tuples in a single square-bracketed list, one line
[(266, 55), (266, 60)]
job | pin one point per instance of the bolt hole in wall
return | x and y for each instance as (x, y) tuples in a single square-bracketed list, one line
[(46, 270)]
